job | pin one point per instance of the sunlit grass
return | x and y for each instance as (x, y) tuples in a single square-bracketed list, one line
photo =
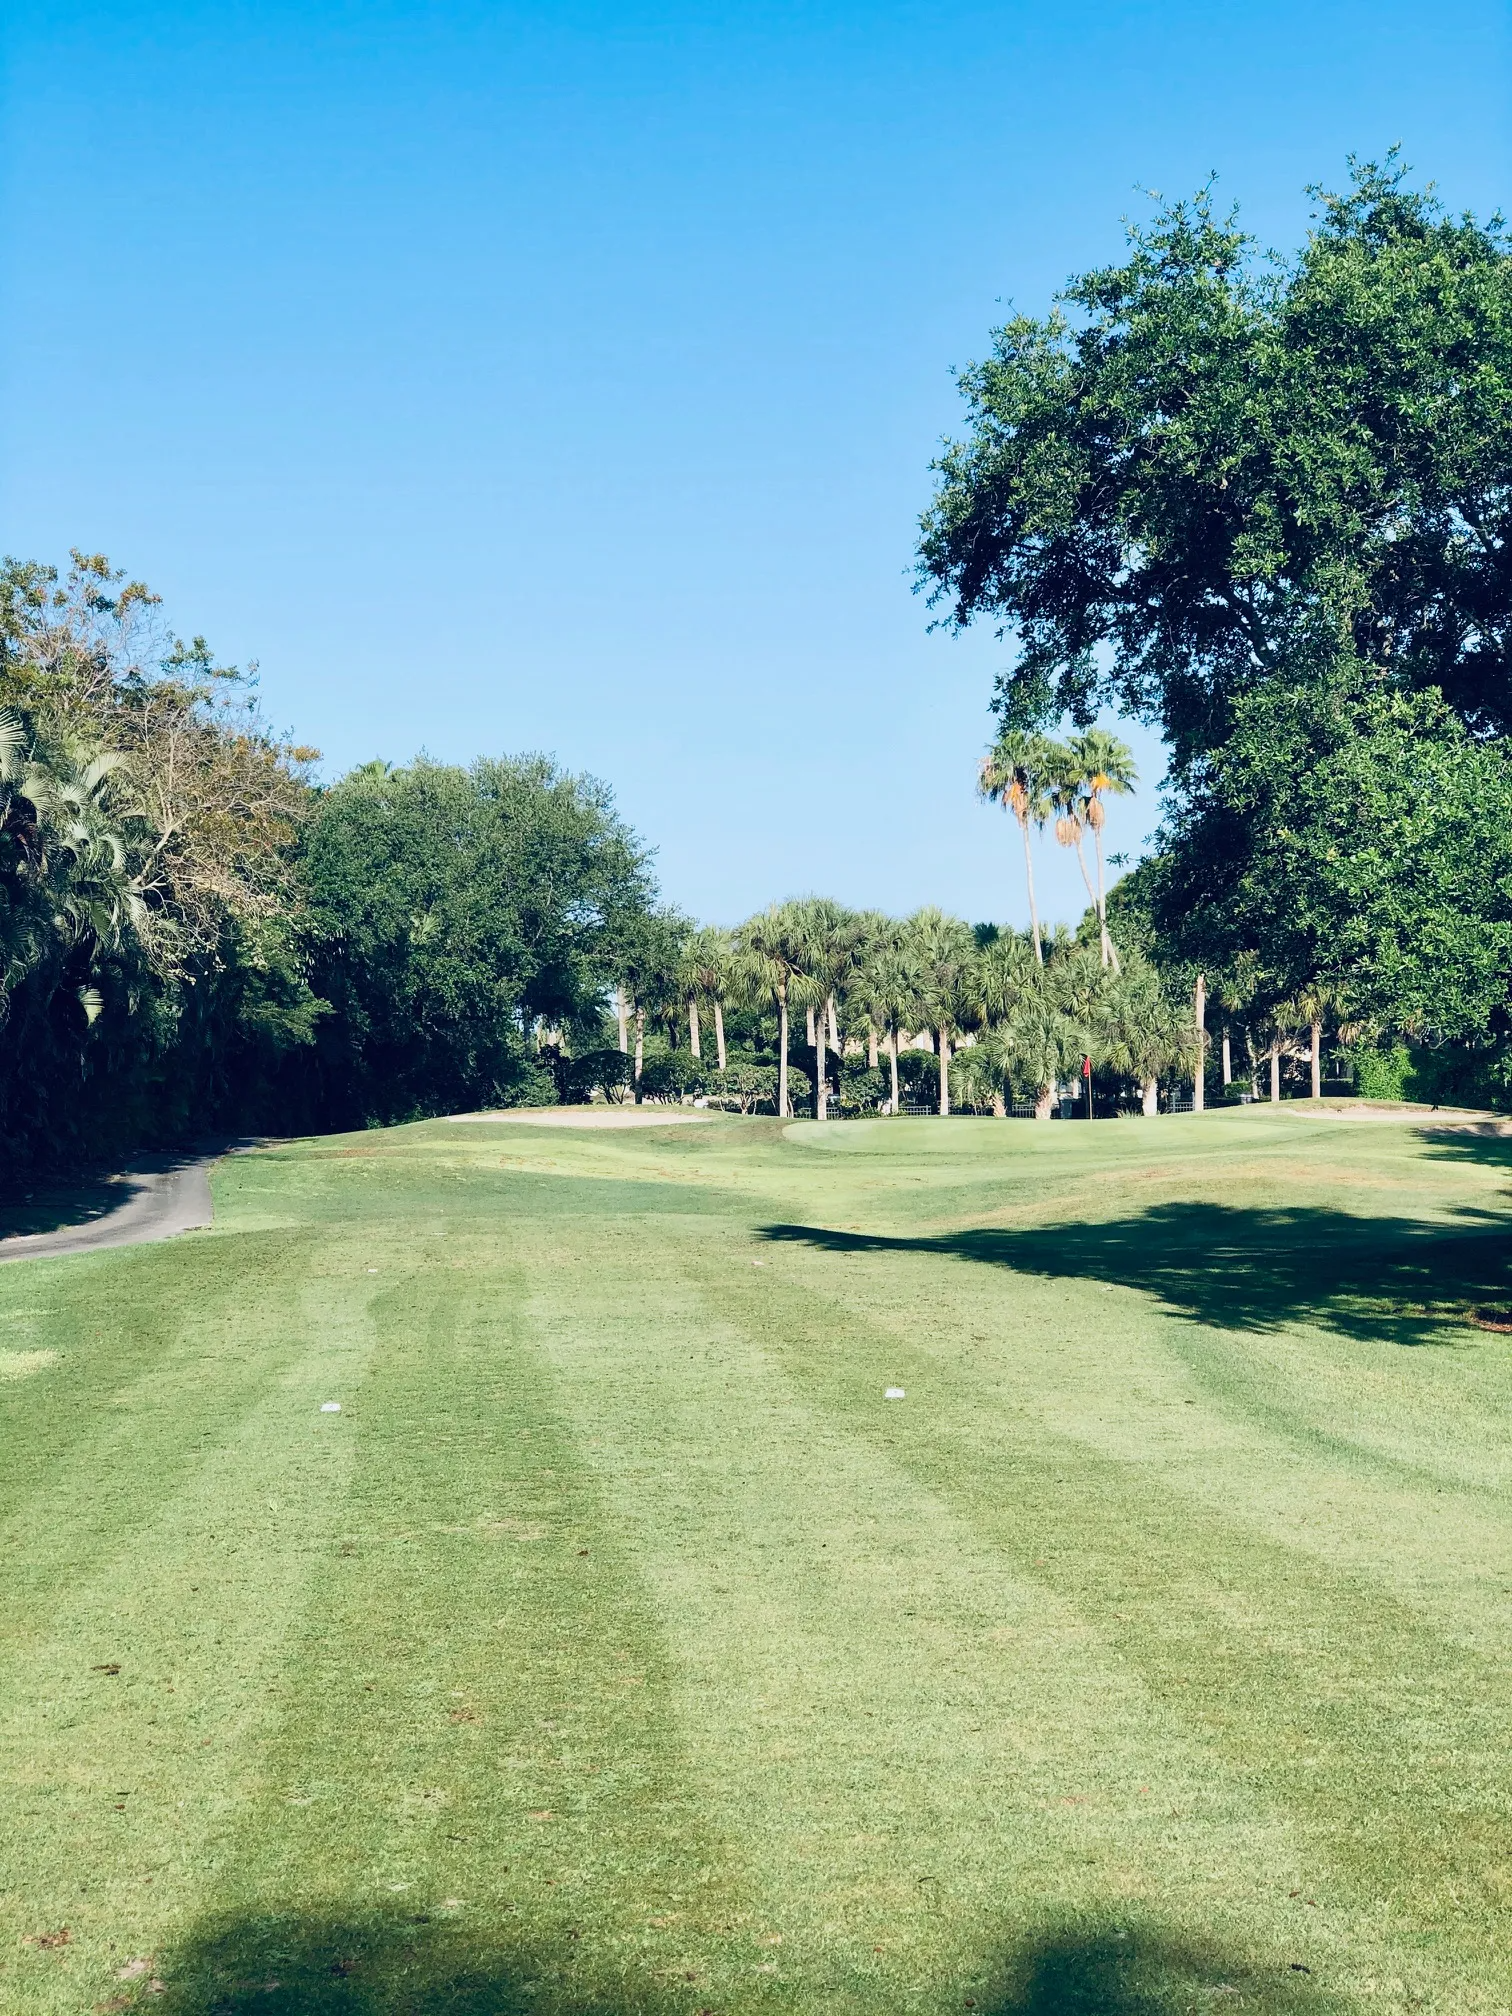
[(619, 1647)]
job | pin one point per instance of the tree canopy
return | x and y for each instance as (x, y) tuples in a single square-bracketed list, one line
[(1204, 467), (195, 937), (453, 910), (1351, 842)]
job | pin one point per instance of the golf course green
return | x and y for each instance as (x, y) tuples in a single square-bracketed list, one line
[(619, 1647)]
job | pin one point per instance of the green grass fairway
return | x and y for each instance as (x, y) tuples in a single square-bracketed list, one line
[(618, 1647)]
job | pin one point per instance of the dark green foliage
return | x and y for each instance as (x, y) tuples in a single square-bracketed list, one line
[(1265, 505), (746, 1086), (1351, 842), (456, 913), (193, 941), (1452, 1075), (1205, 465), (671, 1073), (862, 1089), (600, 1068), (152, 965), (919, 1076)]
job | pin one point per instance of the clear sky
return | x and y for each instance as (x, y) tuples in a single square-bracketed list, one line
[(566, 377)]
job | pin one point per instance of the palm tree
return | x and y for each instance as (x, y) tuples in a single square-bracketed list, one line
[(1039, 1042), (1003, 970), (769, 950), (1105, 768), (979, 1074), (1199, 1034), (1142, 1031), (1313, 1003), (944, 955), (863, 1012), (1016, 773), (886, 990), (96, 898), (716, 957), (1069, 805), (705, 976), (832, 940)]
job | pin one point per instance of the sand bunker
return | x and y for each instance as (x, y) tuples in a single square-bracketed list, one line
[(589, 1116)]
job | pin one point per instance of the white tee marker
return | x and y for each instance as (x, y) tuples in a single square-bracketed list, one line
[(330, 1406), (895, 1393)]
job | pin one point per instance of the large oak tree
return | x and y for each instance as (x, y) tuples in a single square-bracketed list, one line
[(1205, 464)]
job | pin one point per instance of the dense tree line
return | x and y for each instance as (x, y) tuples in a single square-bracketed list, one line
[(1265, 506), (887, 1014), (195, 939)]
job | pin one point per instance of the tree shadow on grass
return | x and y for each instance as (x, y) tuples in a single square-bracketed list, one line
[(1141, 1971), (49, 1206), (1485, 1141), (375, 1965), (1391, 1280)]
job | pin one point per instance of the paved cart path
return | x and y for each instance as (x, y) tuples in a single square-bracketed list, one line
[(156, 1201)]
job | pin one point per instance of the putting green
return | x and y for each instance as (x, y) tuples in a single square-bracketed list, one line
[(618, 1647)]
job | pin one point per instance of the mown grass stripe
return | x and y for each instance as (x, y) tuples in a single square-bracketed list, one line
[(475, 1797), (1339, 1705)]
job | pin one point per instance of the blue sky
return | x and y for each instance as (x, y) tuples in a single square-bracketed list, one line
[(566, 377)]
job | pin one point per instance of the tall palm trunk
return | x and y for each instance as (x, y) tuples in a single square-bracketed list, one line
[(1033, 906), (1228, 1058), (640, 1048), (1150, 1096), (821, 1088), (1199, 1017), (944, 1071), (719, 1030), (892, 1058), (834, 1027), (693, 1027), (624, 1019), (1317, 1059), (871, 1046), (782, 1052), (1043, 1102), (1109, 950), (1275, 1075), (1081, 862)]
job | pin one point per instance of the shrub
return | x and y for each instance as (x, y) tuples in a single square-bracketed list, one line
[(1452, 1076), (743, 1086), (862, 1090), (606, 1070), (670, 1074)]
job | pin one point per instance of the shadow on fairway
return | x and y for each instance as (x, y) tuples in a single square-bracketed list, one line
[(1389, 1279), (369, 1966), (1145, 1973), (52, 1205), (1487, 1142), (373, 1965)]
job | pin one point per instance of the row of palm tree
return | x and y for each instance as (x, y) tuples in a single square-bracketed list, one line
[(1001, 1013), (1039, 779), (73, 897)]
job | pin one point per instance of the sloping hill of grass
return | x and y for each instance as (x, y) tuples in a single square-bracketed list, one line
[(618, 1647)]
